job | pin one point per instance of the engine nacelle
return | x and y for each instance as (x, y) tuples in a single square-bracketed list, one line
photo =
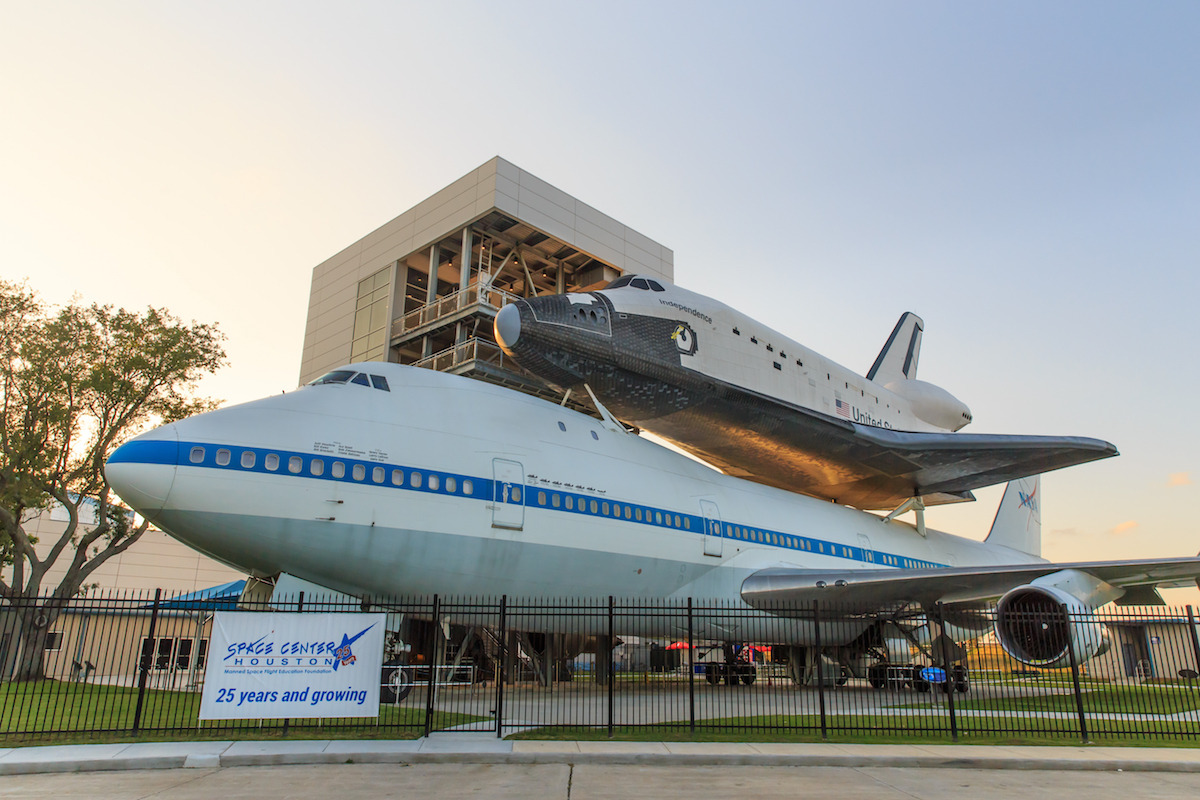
[(1033, 628), (932, 404)]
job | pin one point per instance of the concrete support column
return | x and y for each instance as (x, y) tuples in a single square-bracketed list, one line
[(435, 255), (465, 268)]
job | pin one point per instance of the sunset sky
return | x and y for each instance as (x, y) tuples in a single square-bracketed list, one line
[(1023, 175)]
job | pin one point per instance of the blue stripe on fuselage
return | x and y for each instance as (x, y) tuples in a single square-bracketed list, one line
[(161, 451)]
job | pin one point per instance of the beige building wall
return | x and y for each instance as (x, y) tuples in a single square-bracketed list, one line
[(496, 186), (155, 560)]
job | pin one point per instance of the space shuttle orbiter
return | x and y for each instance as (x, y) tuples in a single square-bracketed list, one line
[(759, 405)]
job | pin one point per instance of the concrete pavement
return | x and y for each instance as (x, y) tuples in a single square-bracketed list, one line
[(476, 748)]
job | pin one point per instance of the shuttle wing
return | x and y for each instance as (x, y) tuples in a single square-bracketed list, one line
[(883, 588), (802, 450), (955, 463)]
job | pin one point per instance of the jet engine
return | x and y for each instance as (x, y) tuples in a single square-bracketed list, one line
[(933, 404), (1040, 625)]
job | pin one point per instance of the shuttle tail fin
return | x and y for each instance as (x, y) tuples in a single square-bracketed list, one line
[(898, 358), (1018, 522)]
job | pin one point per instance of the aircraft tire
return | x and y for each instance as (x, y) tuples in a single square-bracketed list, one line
[(395, 683), (877, 675)]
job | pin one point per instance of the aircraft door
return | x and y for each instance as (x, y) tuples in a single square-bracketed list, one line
[(508, 494), (713, 543), (864, 543)]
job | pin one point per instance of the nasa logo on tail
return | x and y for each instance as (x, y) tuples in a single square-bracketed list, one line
[(1029, 501), (685, 339)]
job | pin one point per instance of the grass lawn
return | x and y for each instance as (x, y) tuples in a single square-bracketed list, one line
[(39, 712)]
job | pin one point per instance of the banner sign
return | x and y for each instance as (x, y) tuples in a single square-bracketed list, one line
[(273, 665)]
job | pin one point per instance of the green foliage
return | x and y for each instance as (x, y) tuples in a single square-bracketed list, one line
[(75, 383)]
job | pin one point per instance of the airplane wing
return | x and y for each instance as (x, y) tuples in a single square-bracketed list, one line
[(955, 463), (884, 588), (801, 450)]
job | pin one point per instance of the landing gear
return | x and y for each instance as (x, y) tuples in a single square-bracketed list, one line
[(730, 674), (395, 682)]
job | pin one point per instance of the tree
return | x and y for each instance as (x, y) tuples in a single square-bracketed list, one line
[(75, 383)]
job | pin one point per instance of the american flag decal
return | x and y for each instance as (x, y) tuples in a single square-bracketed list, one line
[(843, 409)]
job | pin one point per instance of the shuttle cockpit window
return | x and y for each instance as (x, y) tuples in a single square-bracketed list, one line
[(655, 285), (337, 376), (619, 282), (361, 380), (640, 283), (380, 382)]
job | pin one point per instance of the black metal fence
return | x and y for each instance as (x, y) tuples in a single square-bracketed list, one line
[(132, 664)]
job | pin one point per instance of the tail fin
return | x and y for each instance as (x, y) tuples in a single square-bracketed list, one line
[(898, 358), (1018, 521)]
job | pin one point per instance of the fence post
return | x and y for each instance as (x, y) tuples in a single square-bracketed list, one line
[(1075, 673), (612, 667), (949, 683), (147, 659), (433, 665), (501, 664), (287, 721), (691, 674), (820, 667), (1195, 637)]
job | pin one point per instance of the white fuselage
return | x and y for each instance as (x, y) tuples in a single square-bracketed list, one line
[(453, 486)]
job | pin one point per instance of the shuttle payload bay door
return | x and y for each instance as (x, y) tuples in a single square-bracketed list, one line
[(713, 544), (508, 494)]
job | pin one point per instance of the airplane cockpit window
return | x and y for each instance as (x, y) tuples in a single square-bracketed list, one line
[(619, 282), (361, 380), (337, 376), (380, 382)]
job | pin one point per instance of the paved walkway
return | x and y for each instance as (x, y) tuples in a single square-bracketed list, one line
[(474, 748)]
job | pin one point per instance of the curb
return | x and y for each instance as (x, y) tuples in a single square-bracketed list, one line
[(214, 761)]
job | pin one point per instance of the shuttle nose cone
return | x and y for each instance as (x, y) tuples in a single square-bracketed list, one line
[(508, 327), (142, 470)]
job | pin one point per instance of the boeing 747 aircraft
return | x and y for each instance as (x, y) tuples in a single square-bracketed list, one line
[(759, 405), (384, 480)]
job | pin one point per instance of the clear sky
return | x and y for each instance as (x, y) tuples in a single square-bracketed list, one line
[(1024, 175)]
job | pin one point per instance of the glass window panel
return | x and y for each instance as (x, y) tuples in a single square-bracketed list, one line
[(451, 485), (317, 467), (434, 482), (416, 480), (338, 470), (223, 457), (197, 455), (381, 278), (377, 474), (295, 464), (397, 477), (248, 459), (360, 472), (468, 488), (362, 322), (271, 462)]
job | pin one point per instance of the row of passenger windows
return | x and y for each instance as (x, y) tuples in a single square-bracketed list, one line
[(337, 469), (450, 484), (614, 510)]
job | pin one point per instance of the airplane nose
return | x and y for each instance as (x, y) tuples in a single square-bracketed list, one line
[(508, 326), (142, 470)]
